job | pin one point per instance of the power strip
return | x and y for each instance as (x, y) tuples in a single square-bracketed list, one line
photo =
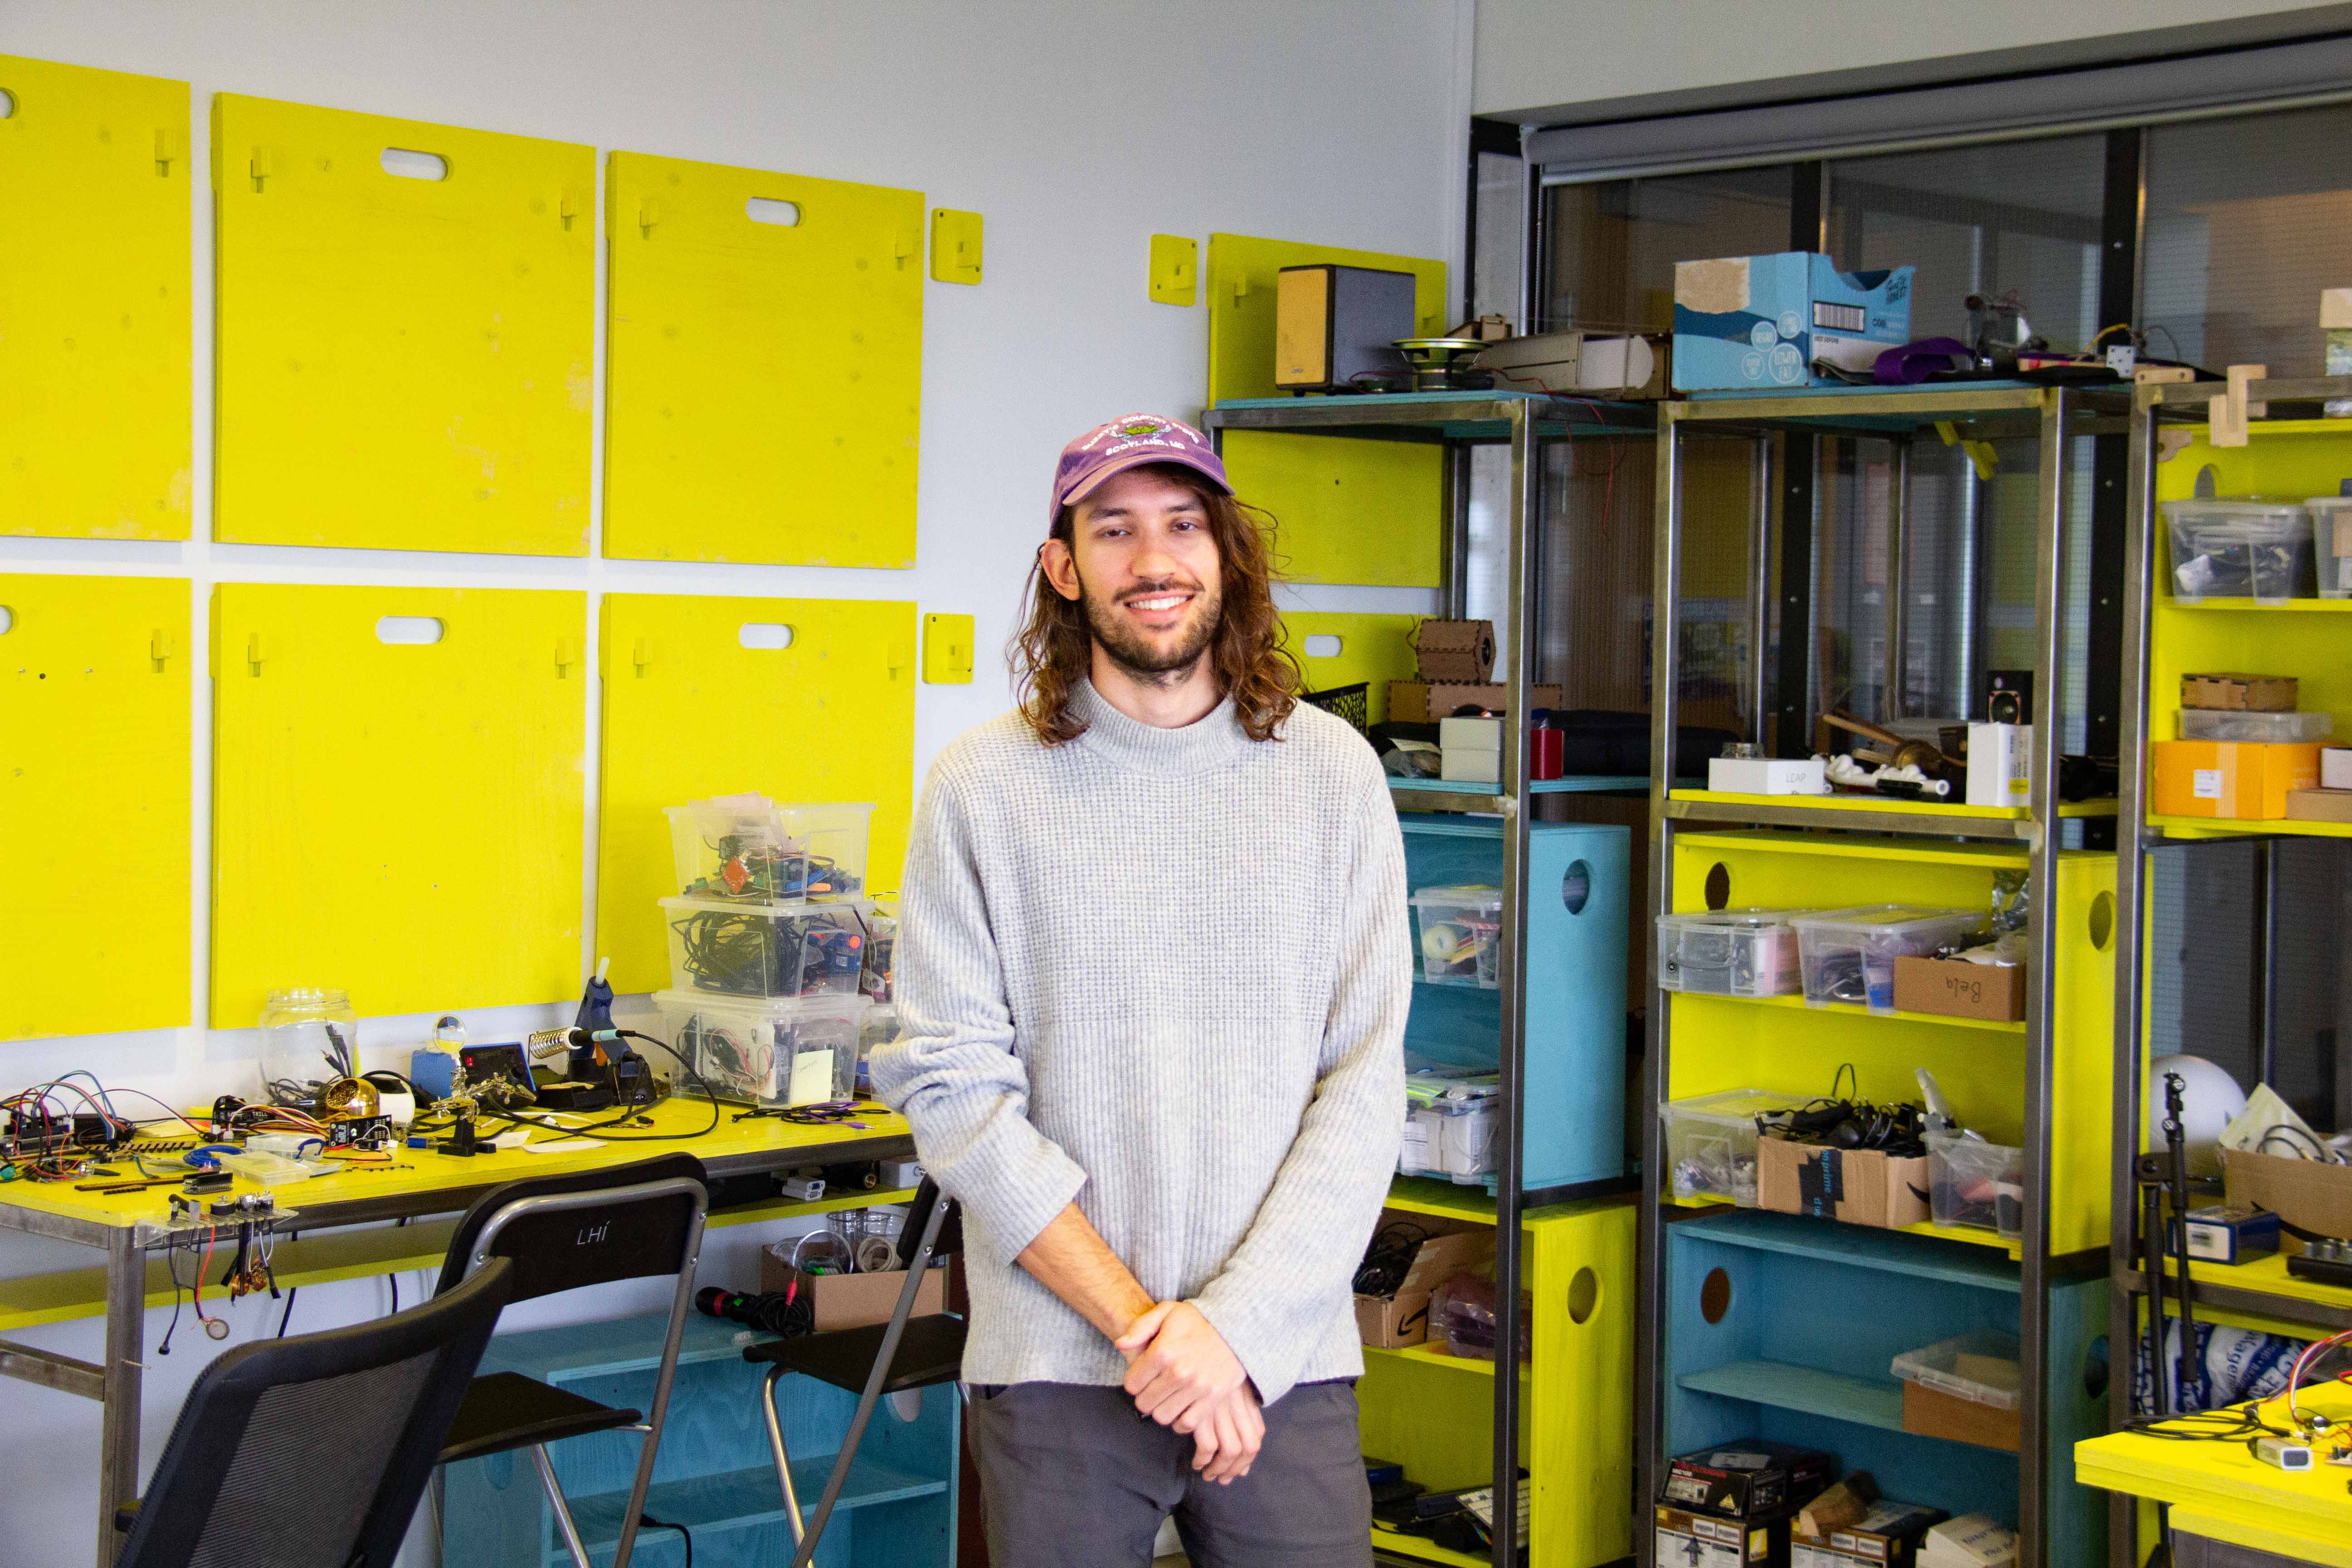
[(2326, 1260)]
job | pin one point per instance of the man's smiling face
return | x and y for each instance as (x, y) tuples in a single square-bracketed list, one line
[(1143, 561)]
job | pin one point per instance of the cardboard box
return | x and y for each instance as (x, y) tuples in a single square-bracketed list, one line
[(2319, 804), (856, 1300), (2304, 1193), (1757, 323), (1889, 1534), (2335, 768), (2239, 780), (1425, 701), (2000, 758), (1748, 1479), (2219, 1234), (1686, 1539), (1859, 1186), (1767, 775), (2240, 693), (1454, 650), (1394, 1322), (1958, 989), (1470, 750), (1932, 1413)]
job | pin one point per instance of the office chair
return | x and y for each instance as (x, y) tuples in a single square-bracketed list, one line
[(559, 1233), (313, 1452), (882, 1358)]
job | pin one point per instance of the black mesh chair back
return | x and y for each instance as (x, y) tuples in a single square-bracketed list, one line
[(241, 1483), (559, 1233)]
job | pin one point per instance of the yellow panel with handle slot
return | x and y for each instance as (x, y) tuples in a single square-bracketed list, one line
[(94, 779), (1342, 647), (763, 390), (697, 706), (403, 819), (405, 360), (95, 364), (1242, 270)]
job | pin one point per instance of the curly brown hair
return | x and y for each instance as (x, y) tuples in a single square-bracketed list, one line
[(1054, 650)]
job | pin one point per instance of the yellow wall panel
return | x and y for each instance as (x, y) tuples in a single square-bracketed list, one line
[(1242, 272), (93, 805), (94, 280), (1373, 649), (691, 712), (403, 363), (765, 383), (404, 822), (1347, 510)]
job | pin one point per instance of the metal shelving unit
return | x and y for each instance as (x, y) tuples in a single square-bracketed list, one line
[(2054, 417), (1523, 422), (2237, 633)]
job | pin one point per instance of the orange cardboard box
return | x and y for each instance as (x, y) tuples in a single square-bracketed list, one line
[(2231, 779)]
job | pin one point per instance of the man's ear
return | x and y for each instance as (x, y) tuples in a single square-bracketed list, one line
[(1061, 568)]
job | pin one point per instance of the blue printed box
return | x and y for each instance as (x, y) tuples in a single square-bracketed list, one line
[(1756, 322)]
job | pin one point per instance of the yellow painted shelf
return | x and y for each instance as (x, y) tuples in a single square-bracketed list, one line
[(1430, 1355), (2285, 606), (1839, 1009), (2231, 827), (1797, 841), (1926, 810), (1413, 1546), (1424, 1194), (2269, 1276)]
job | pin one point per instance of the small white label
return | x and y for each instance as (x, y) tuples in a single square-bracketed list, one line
[(2205, 783), (811, 1079), (1686, 1489), (1416, 1145)]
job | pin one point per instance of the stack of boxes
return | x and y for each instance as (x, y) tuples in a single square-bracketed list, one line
[(1759, 1504), (2246, 754), (777, 959), (1454, 667)]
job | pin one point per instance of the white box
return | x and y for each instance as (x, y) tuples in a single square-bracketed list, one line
[(2335, 768), (2000, 758), (1470, 750), (1767, 775), (1470, 767)]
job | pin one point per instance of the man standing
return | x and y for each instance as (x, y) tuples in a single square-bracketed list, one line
[(1152, 986)]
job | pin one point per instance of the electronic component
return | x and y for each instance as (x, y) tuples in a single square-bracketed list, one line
[(2325, 1260), (1333, 325), (2285, 1453), (487, 1065), (803, 1189)]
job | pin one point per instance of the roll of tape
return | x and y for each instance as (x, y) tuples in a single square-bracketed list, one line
[(876, 1254)]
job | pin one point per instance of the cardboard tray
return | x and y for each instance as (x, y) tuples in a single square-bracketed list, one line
[(2304, 1194)]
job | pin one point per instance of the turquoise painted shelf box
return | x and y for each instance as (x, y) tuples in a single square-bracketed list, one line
[(714, 1476), (1577, 891)]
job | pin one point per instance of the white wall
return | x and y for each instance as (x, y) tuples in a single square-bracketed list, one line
[(1533, 53), (1078, 128)]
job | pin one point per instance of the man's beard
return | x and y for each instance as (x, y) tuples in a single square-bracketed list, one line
[(1145, 660)]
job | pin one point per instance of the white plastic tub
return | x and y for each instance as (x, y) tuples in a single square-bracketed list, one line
[(1980, 1366), (1710, 1142), (2243, 548), (1848, 955), (752, 849), (1728, 953), (766, 949)]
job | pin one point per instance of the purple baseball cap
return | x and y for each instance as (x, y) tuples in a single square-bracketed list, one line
[(1129, 442)]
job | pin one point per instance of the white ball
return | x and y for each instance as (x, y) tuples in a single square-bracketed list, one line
[(2210, 1100)]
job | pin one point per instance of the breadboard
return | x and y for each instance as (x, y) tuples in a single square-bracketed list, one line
[(94, 283), (404, 822), (94, 782), (404, 364), (763, 389), (691, 713)]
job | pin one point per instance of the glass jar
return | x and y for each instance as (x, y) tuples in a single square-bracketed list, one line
[(309, 1038)]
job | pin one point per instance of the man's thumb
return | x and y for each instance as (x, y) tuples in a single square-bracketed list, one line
[(1138, 1332)]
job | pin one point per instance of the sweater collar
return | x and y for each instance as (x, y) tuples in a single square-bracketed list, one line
[(1210, 742)]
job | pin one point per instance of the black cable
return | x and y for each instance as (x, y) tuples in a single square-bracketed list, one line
[(649, 1522), (596, 1129), (287, 1315)]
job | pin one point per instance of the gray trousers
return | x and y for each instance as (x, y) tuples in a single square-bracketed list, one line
[(1075, 1477)]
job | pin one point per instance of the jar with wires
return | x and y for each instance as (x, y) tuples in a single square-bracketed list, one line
[(310, 1038)]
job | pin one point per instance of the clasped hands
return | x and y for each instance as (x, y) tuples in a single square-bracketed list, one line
[(1185, 1376)]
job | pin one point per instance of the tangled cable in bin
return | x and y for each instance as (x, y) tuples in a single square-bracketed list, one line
[(757, 867), (744, 953)]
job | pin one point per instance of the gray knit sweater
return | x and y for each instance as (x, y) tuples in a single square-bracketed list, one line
[(1163, 973)]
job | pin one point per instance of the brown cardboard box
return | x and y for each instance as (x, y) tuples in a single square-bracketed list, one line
[(856, 1300), (2240, 780), (1878, 1189), (2240, 693), (1960, 990), (1394, 1322), (2304, 1194), (1687, 1540), (1932, 1413), (1425, 702), (1454, 650), (2320, 806)]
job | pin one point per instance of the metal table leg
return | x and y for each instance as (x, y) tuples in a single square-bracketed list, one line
[(126, 1318)]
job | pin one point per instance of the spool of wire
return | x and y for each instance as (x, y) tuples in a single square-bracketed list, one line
[(876, 1254)]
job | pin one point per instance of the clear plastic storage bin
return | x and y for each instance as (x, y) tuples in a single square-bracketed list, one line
[(766, 949), (748, 847), (2227, 724), (1458, 929), (1973, 1183), (2243, 548), (1728, 953), (1849, 955), (1710, 1142), (1449, 1125), (880, 1028), (1980, 1366), (2331, 528), (797, 1051)]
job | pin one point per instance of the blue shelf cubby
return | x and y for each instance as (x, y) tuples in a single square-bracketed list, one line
[(1785, 1328), (1577, 889), (714, 1474)]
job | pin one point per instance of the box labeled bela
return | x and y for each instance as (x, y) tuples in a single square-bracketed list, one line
[(1762, 322)]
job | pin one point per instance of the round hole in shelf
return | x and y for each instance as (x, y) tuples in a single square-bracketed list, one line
[(7, 620), (1583, 1295), (1718, 886), (1715, 1295), (1576, 887), (2094, 1369), (2103, 920)]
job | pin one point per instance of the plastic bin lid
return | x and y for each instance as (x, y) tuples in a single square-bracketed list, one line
[(1993, 1381), (2244, 506), (792, 909), (1878, 917), (1733, 1104), (1465, 895), (2329, 501), (826, 1003), (1745, 920)]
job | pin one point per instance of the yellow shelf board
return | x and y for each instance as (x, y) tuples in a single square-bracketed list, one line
[(1927, 810), (1798, 1003), (1397, 1545), (1430, 1355), (2283, 607), (1796, 841), (2226, 827), (1423, 1194), (2224, 1477), (2268, 1275)]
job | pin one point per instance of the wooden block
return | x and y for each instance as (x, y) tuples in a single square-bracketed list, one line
[(1932, 1413)]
